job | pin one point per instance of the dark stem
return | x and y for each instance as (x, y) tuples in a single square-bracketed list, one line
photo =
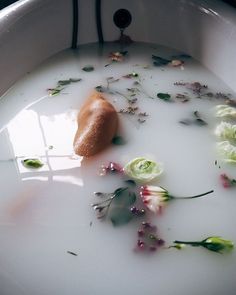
[(99, 21), (192, 197), (75, 24), (105, 201), (121, 94), (194, 243)]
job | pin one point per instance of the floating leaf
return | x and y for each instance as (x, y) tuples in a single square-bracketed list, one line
[(72, 253), (124, 53), (120, 216), (100, 88), (118, 140), (125, 199), (179, 56), (197, 120), (88, 68), (63, 82), (32, 163), (131, 182), (200, 122), (60, 84), (159, 61), (54, 91), (120, 190), (67, 82), (72, 80), (164, 96), (185, 122)]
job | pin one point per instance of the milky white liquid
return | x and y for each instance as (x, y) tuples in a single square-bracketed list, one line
[(45, 213)]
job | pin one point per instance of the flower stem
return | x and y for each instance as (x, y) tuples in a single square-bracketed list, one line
[(194, 243), (192, 197)]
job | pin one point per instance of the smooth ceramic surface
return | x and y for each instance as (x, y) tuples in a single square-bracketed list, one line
[(33, 30)]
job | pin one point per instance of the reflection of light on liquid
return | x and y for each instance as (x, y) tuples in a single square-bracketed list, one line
[(68, 179), (39, 178), (31, 134)]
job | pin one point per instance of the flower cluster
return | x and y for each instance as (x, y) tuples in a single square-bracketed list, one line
[(111, 167), (227, 181), (148, 240)]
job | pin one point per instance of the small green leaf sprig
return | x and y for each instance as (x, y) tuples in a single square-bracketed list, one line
[(164, 96), (88, 68), (34, 163), (160, 61), (197, 120), (213, 243), (61, 85)]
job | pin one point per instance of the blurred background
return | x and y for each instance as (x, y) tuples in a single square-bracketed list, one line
[(4, 3)]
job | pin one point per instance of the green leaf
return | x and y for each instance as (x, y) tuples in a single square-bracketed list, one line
[(88, 68), (185, 122), (159, 61), (164, 96), (124, 53), (32, 163), (200, 122), (68, 82), (120, 216), (118, 140), (63, 82), (100, 88), (124, 198), (131, 182), (72, 80), (55, 91)]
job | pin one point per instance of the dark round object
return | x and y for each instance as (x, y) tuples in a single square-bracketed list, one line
[(122, 18)]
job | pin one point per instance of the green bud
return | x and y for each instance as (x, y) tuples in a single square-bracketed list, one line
[(217, 244)]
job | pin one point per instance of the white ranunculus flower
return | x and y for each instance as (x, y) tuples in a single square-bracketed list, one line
[(225, 111), (226, 131)]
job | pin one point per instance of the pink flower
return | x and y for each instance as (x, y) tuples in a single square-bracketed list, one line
[(227, 181), (154, 197)]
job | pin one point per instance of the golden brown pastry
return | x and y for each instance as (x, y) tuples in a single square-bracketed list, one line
[(97, 125)]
